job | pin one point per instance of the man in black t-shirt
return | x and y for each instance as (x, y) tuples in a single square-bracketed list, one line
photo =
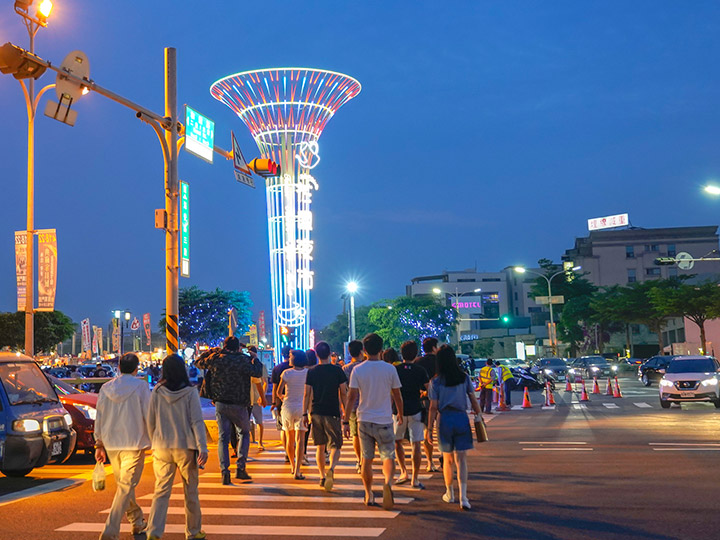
[(428, 361), (414, 380), (325, 389)]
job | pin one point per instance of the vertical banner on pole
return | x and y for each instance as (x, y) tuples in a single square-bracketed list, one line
[(94, 340), (261, 325), (146, 326), (116, 335), (21, 267), (85, 326), (99, 333), (47, 270), (232, 321), (184, 229)]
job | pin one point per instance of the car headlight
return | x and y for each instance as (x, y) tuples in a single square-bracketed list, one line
[(571, 371), (665, 382), (27, 425), (548, 371), (595, 368), (614, 368), (88, 412), (710, 382)]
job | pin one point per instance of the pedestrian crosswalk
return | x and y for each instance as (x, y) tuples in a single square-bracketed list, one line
[(275, 504)]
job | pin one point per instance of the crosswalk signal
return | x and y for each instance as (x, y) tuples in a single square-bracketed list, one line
[(14, 62), (264, 167), (284, 335)]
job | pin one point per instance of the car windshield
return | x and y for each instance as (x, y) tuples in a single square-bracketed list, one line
[(62, 387), (596, 361), (25, 383), (699, 365), (552, 362)]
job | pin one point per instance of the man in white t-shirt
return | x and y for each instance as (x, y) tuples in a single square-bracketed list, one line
[(378, 385)]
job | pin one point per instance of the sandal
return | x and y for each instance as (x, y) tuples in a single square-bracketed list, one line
[(299, 477), (402, 480), (370, 501)]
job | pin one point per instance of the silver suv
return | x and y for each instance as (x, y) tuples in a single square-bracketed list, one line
[(690, 379)]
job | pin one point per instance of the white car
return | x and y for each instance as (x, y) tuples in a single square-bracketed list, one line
[(689, 379)]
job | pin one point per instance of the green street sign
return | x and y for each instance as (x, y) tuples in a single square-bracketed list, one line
[(199, 134), (184, 229)]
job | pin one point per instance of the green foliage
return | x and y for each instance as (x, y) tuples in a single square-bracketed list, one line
[(484, 348), (412, 318), (336, 333), (50, 328), (203, 315)]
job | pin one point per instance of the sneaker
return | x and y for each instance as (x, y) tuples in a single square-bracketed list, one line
[(448, 497), (329, 480), (199, 536), (226, 478), (432, 468), (464, 504), (241, 474), (419, 485), (388, 500)]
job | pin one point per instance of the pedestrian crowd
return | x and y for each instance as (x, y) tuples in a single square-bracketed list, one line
[(377, 400)]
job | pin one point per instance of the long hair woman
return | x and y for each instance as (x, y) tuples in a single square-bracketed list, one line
[(449, 393), (177, 432), (292, 390)]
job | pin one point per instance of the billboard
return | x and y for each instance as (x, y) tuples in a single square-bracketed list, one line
[(608, 222)]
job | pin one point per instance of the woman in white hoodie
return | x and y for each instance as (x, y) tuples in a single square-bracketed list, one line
[(177, 432)]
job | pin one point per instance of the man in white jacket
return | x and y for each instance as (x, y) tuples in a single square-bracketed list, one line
[(121, 435)]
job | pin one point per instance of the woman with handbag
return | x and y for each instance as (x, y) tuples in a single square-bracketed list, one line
[(177, 432), (449, 392)]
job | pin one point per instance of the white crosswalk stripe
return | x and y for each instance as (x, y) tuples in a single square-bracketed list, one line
[(610, 406), (642, 405)]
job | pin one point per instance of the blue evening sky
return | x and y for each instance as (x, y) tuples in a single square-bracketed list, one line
[(486, 133)]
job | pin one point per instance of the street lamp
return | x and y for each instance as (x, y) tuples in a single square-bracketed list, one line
[(32, 24), (351, 289), (712, 189), (523, 270), (121, 314)]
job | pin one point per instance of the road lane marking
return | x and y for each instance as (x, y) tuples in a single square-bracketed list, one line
[(686, 449), (244, 530), (285, 474), (682, 444), (305, 486), (552, 442), (549, 407), (579, 406), (57, 485), (281, 512), (558, 449), (224, 497), (517, 407), (643, 405), (610, 406)]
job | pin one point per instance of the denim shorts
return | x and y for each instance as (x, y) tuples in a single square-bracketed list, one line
[(382, 434), (454, 431)]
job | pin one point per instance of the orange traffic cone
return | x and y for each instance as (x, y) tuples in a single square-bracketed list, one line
[(549, 398), (596, 386), (568, 384), (609, 388), (496, 395), (617, 392), (584, 395), (526, 400), (502, 405)]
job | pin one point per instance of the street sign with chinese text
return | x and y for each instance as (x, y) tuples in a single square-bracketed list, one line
[(199, 134), (146, 326), (545, 300), (21, 267), (243, 174), (184, 229), (47, 269), (608, 222)]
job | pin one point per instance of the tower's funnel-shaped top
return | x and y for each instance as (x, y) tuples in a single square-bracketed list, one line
[(286, 110)]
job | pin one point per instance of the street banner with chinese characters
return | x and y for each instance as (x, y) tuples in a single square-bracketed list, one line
[(116, 336), (261, 325), (252, 335), (99, 338), (608, 222), (552, 334), (184, 229), (94, 340), (85, 326), (47, 270), (20, 267), (146, 325)]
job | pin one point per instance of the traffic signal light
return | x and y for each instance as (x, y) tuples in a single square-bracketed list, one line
[(13, 62), (264, 167), (505, 319), (664, 261), (284, 335)]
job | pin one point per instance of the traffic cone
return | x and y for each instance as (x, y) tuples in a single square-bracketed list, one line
[(584, 395), (549, 398), (526, 400), (596, 386), (609, 388), (617, 392), (552, 397), (502, 406), (568, 384), (496, 395)]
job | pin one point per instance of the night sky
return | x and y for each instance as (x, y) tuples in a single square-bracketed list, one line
[(486, 134)]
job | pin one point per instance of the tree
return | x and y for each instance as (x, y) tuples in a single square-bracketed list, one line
[(336, 333), (412, 318), (698, 303), (484, 348), (50, 328), (203, 315)]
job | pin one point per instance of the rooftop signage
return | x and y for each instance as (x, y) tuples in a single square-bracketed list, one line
[(608, 222)]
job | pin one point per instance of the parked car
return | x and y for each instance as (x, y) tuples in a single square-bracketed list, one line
[(59, 372), (82, 406), (691, 379), (653, 369), (553, 366), (587, 367), (34, 427)]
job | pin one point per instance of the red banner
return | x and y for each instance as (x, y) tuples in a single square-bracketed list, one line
[(146, 325), (261, 325)]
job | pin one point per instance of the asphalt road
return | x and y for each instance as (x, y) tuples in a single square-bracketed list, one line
[(605, 469)]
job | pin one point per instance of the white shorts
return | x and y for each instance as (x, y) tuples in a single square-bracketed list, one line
[(292, 419), (412, 425)]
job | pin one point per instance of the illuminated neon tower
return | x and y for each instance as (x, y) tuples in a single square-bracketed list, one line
[(286, 110)]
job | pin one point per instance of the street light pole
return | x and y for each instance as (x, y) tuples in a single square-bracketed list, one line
[(352, 289)]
